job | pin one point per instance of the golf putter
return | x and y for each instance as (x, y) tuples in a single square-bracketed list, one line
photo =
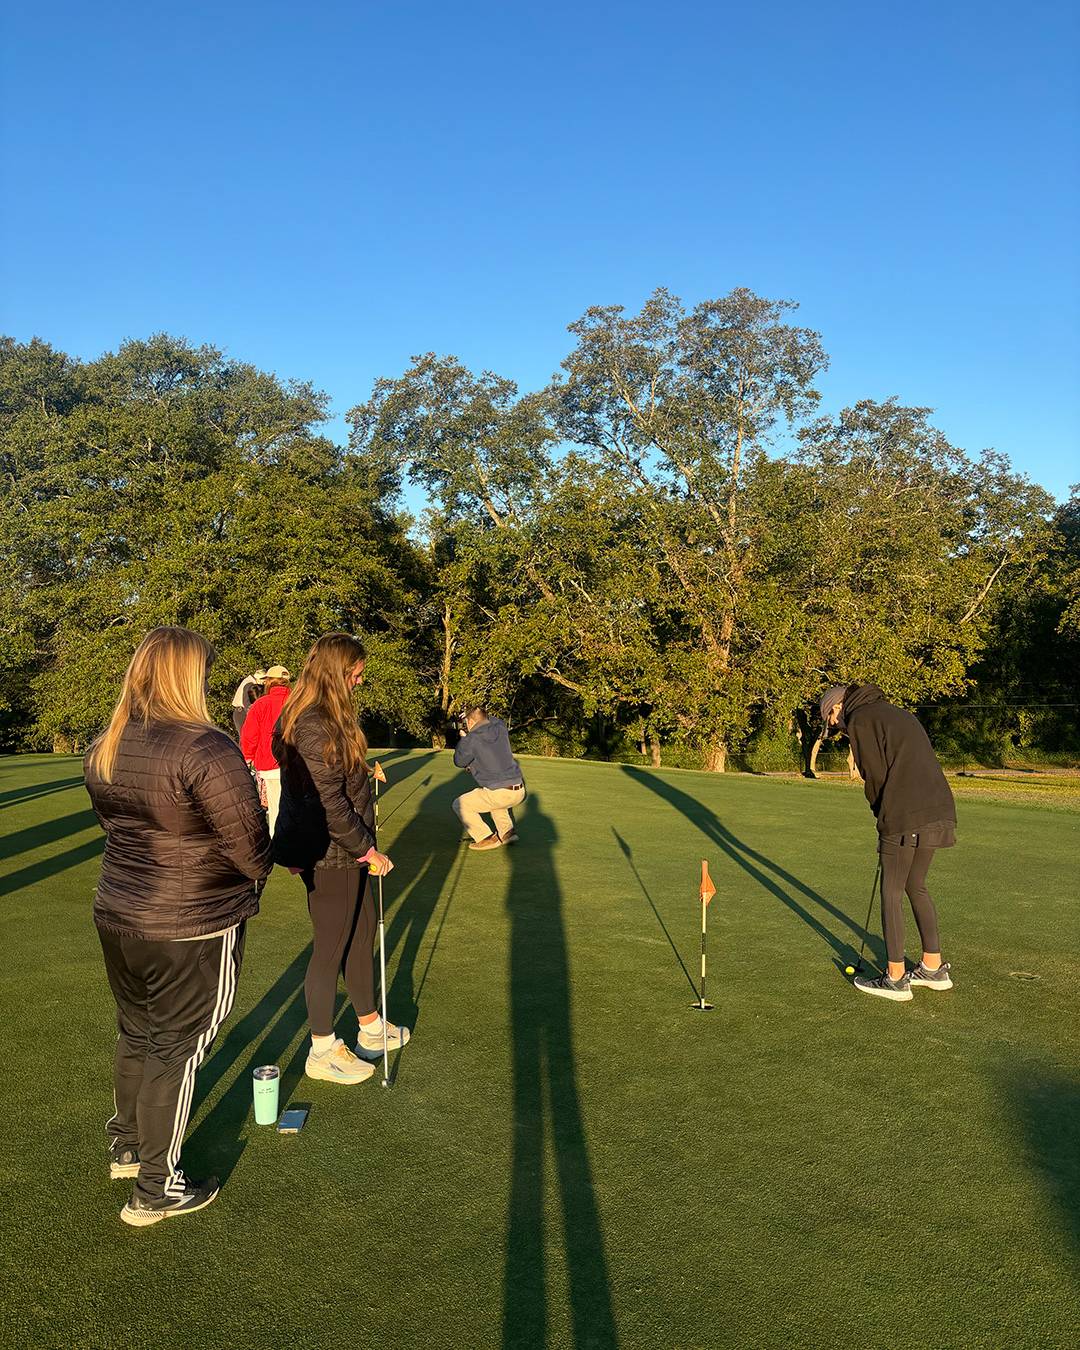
[(382, 942), (857, 967)]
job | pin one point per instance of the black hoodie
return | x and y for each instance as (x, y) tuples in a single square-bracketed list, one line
[(904, 783)]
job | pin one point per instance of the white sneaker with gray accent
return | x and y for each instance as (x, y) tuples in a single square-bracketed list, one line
[(921, 978), (369, 1040), (337, 1065)]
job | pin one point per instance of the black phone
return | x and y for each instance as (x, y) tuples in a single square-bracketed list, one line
[(292, 1120)]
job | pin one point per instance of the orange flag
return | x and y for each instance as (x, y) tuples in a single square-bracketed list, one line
[(708, 890), (377, 773)]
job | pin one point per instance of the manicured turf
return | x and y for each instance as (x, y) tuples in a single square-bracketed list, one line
[(569, 1156)]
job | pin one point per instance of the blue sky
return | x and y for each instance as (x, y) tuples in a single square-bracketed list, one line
[(326, 189)]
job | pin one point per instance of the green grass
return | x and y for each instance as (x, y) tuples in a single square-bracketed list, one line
[(569, 1156)]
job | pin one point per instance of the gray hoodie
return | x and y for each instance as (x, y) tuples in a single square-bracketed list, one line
[(486, 753)]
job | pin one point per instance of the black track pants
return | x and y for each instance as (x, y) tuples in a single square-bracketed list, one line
[(171, 999), (343, 921), (904, 869)]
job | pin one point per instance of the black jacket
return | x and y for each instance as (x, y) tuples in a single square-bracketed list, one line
[(904, 783), (326, 817), (186, 838)]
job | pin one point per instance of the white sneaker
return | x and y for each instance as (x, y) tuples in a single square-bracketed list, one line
[(369, 1041), (337, 1065)]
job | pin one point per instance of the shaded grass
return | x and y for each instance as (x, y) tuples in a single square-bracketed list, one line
[(570, 1157)]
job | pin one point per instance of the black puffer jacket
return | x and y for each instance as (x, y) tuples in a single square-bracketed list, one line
[(326, 817), (186, 838), (904, 783)]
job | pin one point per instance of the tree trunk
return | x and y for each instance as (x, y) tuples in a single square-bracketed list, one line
[(444, 668), (61, 745), (716, 758), (438, 740), (654, 751), (809, 742)]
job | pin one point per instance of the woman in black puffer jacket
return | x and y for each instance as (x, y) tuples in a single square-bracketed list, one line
[(326, 834), (186, 849)]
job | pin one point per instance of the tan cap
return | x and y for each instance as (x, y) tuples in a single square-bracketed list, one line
[(277, 673)]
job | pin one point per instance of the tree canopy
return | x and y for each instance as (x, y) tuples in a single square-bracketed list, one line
[(667, 550)]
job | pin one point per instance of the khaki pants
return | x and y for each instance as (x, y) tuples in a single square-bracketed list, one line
[(496, 802)]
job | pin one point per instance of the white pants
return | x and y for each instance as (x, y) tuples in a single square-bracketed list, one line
[(272, 782), (496, 801)]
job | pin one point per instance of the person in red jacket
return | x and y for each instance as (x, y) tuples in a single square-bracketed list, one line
[(255, 737)]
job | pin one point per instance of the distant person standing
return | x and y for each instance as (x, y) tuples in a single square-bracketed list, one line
[(916, 814), (186, 847), (256, 735), (244, 695), (484, 751)]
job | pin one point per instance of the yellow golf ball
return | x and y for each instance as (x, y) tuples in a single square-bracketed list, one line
[(849, 970)]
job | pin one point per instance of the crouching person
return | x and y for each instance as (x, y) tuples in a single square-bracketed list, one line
[(186, 848), (916, 815), (484, 751)]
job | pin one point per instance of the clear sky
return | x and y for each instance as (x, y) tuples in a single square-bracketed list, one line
[(326, 188)]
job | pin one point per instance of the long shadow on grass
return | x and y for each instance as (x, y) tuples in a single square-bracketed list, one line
[(758, 866), (546, 1102), (49, 867), (629, 856), (14, 796), (424, 854), (1046, 1102), (45, 832)]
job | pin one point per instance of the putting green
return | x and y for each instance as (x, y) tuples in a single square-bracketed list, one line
[(569, 1156)]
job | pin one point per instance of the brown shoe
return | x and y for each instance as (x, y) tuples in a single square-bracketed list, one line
[(510, 837), (482, 845)]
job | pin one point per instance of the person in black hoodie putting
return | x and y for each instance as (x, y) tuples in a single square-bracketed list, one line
[(484, 750), (915, 814)]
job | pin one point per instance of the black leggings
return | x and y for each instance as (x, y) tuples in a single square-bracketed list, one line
[(904, 869), (343, 921)]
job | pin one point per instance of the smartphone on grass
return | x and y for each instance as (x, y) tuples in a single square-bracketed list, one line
[(292, 1120)]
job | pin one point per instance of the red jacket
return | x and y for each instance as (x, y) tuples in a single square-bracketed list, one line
[(259, 727)]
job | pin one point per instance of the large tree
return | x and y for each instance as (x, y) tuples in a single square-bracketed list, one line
[(164, 484), (680, 406)]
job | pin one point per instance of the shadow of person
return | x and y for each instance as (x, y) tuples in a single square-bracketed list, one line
[(50, 831), (1046, 1102), (545, 1100), (31, 791), (764, 871), (424, 854)]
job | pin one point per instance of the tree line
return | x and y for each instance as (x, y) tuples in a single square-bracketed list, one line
[(666, 552)]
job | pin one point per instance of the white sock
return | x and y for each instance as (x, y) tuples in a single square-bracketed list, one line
[(321, 1044), (372, 1028)]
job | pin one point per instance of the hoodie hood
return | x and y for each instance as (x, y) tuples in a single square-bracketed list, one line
[(858, 696), (490, 730)]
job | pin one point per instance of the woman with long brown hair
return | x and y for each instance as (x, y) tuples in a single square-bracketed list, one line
[(186, 846), (326, 834)]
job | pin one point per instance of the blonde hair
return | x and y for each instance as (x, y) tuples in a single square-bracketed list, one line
[(323, 684), (165, 682)]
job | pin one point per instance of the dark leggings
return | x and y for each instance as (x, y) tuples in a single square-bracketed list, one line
[(343, 922), (904, 869)]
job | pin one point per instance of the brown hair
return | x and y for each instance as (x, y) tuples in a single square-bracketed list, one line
[(165, 682), (323, 684)]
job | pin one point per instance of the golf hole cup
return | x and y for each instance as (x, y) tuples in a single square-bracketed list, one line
[(265, 1087)]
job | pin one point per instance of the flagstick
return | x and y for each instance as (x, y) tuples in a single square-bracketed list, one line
[(382, 954), (706, 896)]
